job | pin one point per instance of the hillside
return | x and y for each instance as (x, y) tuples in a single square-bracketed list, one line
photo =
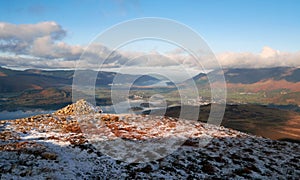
[(254, 119), (21, 90), (53, 146), (249, 79), (252, 76), (52, 89), (15, 81), (12, 81), (280, 85)]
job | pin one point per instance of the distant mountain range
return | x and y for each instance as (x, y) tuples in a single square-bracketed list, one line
[(255, 80), (251, 76), (279, 85), (17, 81), (251, 79), (50, 89)]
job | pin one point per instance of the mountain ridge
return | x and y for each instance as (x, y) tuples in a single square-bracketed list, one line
[(17, 81), (280, 85), (254, 75)]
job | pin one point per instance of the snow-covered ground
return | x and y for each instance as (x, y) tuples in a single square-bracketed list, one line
[(66, 145)]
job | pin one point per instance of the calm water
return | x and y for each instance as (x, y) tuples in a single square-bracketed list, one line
[(6, 115), (122, 107)]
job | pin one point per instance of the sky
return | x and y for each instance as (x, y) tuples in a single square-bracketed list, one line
[(53, 34)]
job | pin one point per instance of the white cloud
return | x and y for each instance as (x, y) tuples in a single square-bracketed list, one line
[(45, 47), (156, 59), (20, 39), (28, 32), (268, 57), (268, 52), (41, 46)]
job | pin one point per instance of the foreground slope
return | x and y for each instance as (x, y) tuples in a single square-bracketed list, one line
[(53, 146), (259, 120)]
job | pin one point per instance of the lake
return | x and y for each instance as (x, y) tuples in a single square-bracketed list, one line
[(7, 115)]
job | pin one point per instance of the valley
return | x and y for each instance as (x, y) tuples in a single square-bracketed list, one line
[(266, 105)]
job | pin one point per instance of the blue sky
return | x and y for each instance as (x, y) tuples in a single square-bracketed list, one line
[(241, 33), (226, 25)]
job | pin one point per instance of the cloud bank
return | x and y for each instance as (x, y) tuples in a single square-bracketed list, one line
[(41, 45), (19, 39), (268, 57)]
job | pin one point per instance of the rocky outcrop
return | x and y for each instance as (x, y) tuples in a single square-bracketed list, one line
[(81, 107)]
